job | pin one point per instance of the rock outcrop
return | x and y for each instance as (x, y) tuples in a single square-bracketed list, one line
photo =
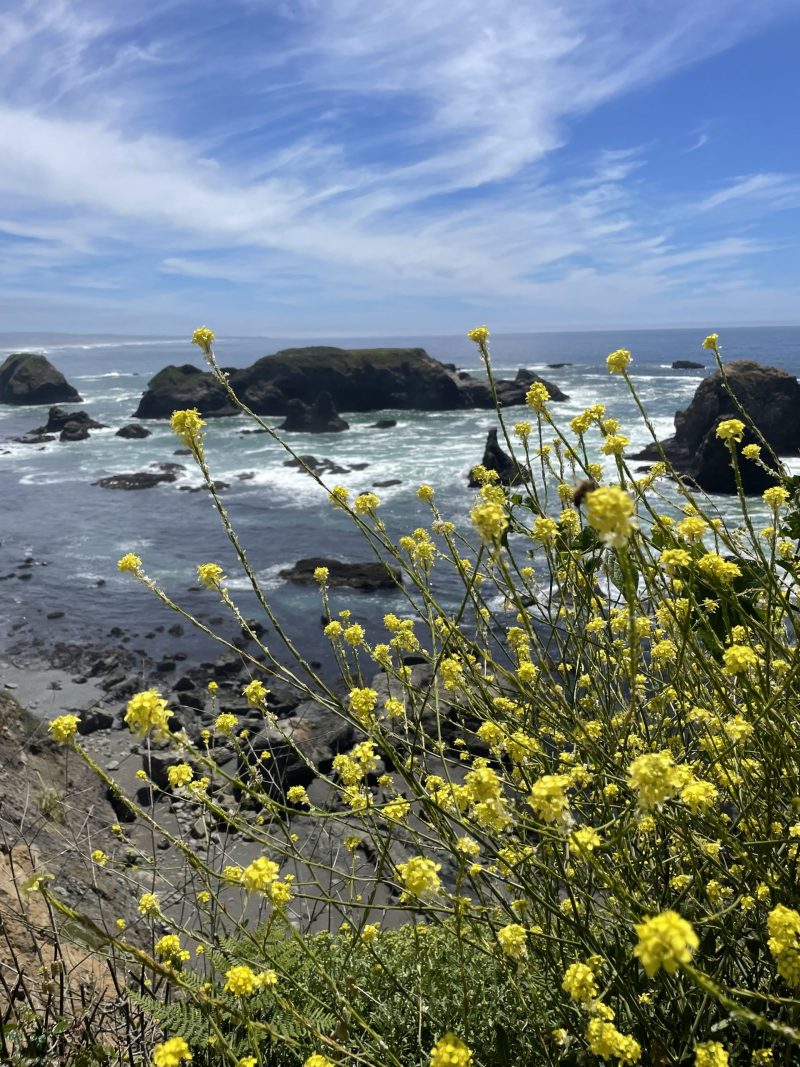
[(319, 417), (365, 577), (495, 459), (771, 398), (69, 425), (687, 364), (30, 378), (159, 474), (133, 432), (183, 387), (369, 379)]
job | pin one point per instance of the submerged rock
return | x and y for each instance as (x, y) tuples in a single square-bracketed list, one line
[(318, 466), (363, 576), (139, 479), (30, 378), (687, 364)]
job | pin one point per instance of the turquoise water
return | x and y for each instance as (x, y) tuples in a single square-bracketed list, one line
[(75, 531)]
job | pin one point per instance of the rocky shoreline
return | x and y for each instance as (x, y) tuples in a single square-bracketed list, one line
[(52, 821)]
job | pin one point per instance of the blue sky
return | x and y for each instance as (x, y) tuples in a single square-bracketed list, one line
[(397, 166)]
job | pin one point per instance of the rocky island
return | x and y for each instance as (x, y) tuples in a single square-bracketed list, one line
[(363, 379), (771, 398), (30, 378)]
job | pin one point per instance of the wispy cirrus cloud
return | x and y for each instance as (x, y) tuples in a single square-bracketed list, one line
[(342, 151)]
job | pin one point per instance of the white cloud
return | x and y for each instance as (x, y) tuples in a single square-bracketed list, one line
[(777, 190), (398, 147)]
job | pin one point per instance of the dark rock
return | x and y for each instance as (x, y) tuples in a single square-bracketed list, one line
[(711, 467), (362, 576), (74, 431), (318, 466), (687, 364), (355, 379), (495, 459), (120, 808), (155, 766), (55, 615), (58, 419), (195, 701), (246, 476), (95, 719), (228, 665), (184, 684), (317, 736), (218, 486), (382, 424), (138, 480), (134, 431), (558, 366), (385, 484), (771, 398), (183, 387), (169, 468), (319, 417), (30, 378), (34, 438), (513, 392), (176, 630)]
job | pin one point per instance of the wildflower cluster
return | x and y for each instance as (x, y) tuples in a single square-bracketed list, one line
[(575, 779)]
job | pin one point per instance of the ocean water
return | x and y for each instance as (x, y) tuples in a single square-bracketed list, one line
[(74, 532)]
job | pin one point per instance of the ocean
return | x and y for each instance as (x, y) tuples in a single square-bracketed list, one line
[(73, 532)]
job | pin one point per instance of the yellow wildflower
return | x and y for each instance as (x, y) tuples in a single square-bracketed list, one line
[(420, 876), (210, 575), (618, 361), (64, 727), (513, 941), (730, 430), (609, 510), (171, 1053), (188, 426), (148, 711), (710, 1054), (203, 338), (580, 983), (129, 563), (665, 940), (450, 1051)]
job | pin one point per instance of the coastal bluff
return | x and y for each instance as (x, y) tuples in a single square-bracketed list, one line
[(357, 379)]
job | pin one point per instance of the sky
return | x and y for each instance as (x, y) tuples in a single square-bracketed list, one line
[(394, 167)]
